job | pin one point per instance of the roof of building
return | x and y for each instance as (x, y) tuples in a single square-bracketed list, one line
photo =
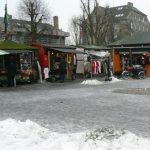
[(17, 25), (93, 47), (10, 45), (62, 48), (141, 38), (59, 46), (121, 12), (137, 49), (124, 10)]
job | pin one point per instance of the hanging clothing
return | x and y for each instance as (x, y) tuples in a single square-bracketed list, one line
[(74, 60), (94, 67), (40, 72), (98, 68), (46, 73)]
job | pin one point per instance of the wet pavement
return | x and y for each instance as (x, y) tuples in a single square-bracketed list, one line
[(72, 107)]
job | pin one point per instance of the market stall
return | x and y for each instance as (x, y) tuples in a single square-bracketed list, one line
[(22, 56), (128, 56), (69, 55), (132, 50), (90, 64)]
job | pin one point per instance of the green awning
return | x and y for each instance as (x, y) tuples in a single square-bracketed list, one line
[(10, 45)]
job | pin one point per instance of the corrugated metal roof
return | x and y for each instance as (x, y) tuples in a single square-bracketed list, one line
[(93, 47), (125, 10), (59, 46), (65, 50), (142, 38)]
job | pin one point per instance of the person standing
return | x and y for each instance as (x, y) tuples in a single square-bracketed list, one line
[(62, 68), (11, 72), (107, 73)]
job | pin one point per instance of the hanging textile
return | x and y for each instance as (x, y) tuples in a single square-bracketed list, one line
[(74, 60), (98, 68), (94, 67)]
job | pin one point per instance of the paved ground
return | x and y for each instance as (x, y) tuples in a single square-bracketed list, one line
[(72, 107)]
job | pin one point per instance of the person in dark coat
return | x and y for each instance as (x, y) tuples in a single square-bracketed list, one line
[(11, 71), (62, 68), (107, 73)]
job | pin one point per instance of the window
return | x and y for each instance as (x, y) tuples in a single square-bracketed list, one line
[(119, 15), (143, 28), (120, 8), (131, 25), (143, 19)]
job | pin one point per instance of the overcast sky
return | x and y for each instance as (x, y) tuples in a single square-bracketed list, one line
[(65, 9)]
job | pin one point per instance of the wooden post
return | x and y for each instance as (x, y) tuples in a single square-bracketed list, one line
[(49, 60), (130, 57), (91, 66)]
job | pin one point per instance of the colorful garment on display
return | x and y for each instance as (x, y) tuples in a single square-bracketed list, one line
[(96, 67), (74, 60)]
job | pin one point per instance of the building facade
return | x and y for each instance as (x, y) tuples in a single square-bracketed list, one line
[(128, 20), (121, 21), (47, 34)]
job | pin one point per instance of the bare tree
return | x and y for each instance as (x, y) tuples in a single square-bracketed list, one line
[(96, 22), (75, 30), (34, 11)]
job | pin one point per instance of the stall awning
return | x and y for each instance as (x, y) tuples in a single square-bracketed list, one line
[(17, 51), (2, 52), (64, 50), (100, 54), (133, 49), (134, 52), (7, 52)]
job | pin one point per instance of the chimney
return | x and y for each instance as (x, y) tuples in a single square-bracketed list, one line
[(97, 4), (56, 23), (130, 4)]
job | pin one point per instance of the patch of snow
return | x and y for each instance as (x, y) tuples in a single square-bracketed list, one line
[(97, 82), (17, 135), (115, 79), (92, 82)]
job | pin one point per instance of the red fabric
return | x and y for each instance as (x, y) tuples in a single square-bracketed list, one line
[(42, 57), (94, 67), (45, 61), (97, 67)]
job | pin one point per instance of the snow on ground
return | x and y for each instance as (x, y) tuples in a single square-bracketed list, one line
[(92, 82), (115, 79), (97, 82), (17, 135)]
